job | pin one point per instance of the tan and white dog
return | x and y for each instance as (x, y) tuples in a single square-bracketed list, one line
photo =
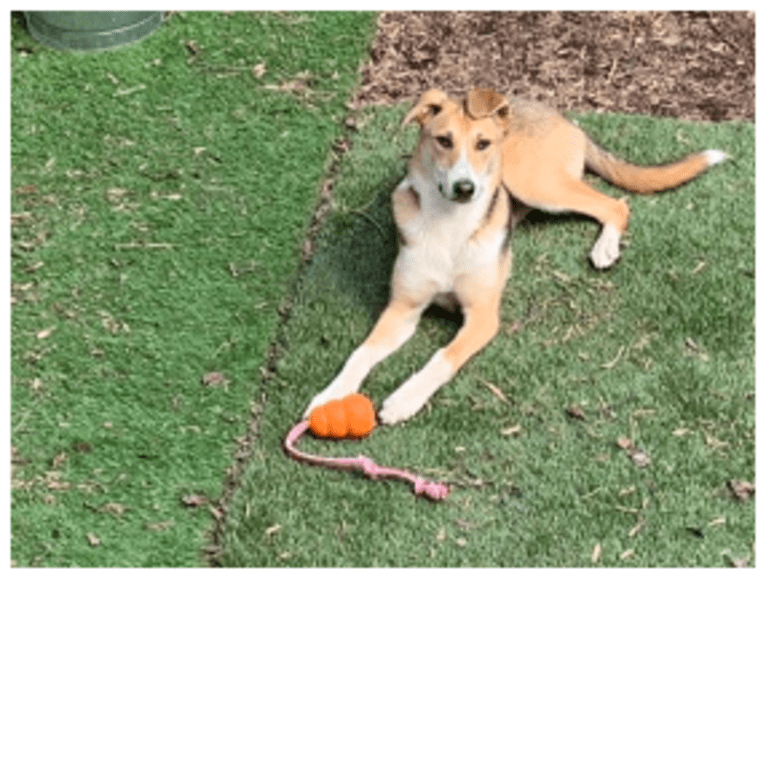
[(454, 212)]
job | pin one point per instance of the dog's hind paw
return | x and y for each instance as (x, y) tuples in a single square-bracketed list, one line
[(606, 251)]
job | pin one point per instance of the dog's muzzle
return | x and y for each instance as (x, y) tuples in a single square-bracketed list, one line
[(460, 191)]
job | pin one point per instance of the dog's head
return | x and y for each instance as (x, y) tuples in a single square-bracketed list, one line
[(460, 141)]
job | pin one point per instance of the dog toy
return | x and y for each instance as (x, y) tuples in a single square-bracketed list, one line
[(353, 417)]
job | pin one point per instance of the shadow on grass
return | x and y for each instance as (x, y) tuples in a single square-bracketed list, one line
[(362, 268)]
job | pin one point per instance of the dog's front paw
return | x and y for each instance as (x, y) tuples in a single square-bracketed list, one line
[(396, 409), (402, 404)]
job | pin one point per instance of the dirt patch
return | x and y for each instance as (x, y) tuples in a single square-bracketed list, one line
[(694, 65)]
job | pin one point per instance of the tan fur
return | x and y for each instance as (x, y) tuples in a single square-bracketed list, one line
[(453, 213)]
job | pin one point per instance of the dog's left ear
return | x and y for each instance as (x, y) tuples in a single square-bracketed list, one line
[(485, 102), (428, 106)]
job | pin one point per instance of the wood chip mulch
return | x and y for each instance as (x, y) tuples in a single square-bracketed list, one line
[(694, 65)]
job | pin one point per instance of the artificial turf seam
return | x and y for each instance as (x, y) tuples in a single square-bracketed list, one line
[(277, 348)]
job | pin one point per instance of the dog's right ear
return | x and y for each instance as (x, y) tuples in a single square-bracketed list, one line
[(428, 106)]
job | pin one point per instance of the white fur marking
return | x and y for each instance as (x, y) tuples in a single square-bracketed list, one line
[(714, 156), (416, 390), (606, 251)]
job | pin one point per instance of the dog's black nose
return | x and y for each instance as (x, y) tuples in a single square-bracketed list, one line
[(463, 190)]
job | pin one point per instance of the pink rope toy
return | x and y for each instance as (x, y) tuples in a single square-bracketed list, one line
[(430, 489)]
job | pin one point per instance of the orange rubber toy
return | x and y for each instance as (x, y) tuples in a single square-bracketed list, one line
[(349, 418)]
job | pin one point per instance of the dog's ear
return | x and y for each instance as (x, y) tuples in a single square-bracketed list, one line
[(428, 106), (485, 102)]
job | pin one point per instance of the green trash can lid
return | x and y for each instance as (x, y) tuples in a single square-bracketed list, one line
[(91, 30)]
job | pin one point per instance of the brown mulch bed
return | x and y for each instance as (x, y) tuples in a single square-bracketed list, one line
[(695, 65)]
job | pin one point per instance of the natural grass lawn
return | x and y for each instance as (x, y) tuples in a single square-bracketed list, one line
[(161, 193), (659, 350)]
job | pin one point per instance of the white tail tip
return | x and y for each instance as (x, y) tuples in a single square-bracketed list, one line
[(714, 156)]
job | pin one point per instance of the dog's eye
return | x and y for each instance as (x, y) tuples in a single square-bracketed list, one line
[(482, 144), (444, 141)]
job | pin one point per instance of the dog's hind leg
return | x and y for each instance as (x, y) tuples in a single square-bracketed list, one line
[(579, 197), (565, 193)]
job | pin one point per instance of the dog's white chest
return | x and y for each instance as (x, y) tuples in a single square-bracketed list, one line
[(445, 241)]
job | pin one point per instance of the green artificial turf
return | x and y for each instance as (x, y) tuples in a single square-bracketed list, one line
[(160, 196), (658, 351)]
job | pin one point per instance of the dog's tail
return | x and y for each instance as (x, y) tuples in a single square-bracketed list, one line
[(646, 179)]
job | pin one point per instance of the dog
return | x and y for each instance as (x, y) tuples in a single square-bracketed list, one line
[(480, 165)]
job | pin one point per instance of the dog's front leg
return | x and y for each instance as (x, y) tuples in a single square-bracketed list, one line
[(395, 327), (481, 323)]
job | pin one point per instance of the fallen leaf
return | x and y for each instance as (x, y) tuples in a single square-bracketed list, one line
[(32, 244), (115, 194), (20, 218), (714, 443), (495, 390), (609, 365), (213, 550), (117, 509), (628, 554), (273, 530), (701, 265), (45, 333), (298, 84), (214, 379), (512, 431), (574, 411), (161, 526), (193, 47), (59, 460), (258, 71), (742, 490), (52, 482), (639, 457), (737, 563), (194, 501), (93, 540)]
